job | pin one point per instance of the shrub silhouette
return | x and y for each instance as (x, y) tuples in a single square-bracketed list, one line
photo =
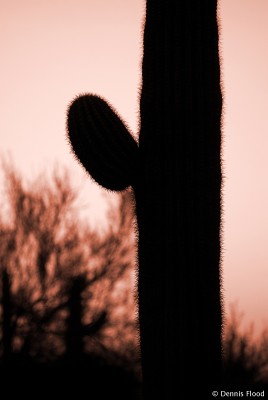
[(245, 358), (59, 285), (175, 171)]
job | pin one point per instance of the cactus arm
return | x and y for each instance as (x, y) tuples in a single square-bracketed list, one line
[(102, 143)]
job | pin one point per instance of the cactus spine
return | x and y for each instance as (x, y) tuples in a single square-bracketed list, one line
[(176, 176)]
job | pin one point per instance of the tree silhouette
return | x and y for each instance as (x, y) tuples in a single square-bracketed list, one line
[(7, 318), (245, 358), (175, 171), (62, 288)]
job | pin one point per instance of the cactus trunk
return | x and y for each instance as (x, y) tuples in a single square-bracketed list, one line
[(179, 199), (176, 176)]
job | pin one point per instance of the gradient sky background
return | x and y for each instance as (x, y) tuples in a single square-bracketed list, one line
[(52, 50)]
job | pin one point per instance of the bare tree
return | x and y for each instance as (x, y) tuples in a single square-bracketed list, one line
[(245, 358), (67, 290)]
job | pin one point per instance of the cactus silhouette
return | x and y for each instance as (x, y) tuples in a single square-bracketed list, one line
[(175, 171)]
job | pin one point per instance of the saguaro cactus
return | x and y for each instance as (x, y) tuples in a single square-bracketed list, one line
[(175, 171)]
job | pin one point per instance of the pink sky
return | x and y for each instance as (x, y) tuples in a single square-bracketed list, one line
[(52, 50)]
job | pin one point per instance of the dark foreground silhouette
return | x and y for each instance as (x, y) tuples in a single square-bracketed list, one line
[(87, 378), (95, 378)]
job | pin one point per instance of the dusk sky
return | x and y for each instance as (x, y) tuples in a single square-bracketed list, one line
[(53, 50)]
